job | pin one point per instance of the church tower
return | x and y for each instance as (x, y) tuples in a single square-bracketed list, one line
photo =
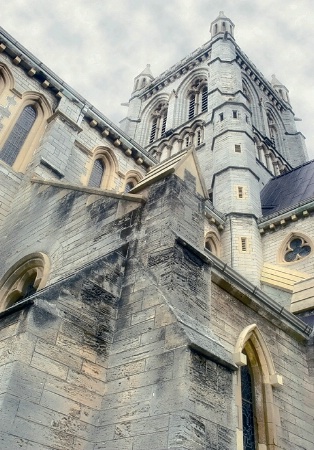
[(241, 126)]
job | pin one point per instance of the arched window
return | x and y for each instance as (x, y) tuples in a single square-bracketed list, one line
[(23, 279), (197, 97), (97, 173), (158, 122), (212, 243), (256, 379), (18, 135)]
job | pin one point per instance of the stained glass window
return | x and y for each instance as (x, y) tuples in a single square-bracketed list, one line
[(247, 409), (97, 173), (18, 135)]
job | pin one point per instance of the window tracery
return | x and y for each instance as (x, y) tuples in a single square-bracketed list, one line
[(297, 248), (256, 379), (23, 279)]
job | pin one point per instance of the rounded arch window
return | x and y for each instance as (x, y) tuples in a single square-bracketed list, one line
[(97, 173), (297, 248), (23, 279), (18, 135)]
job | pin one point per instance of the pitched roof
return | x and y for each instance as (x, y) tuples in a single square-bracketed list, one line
[(186, 159), (289, 189)]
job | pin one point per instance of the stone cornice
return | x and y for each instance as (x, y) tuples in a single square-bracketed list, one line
[(258, 78), (274, 222)]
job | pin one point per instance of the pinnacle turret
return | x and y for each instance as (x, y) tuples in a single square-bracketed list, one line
[(144, 78), (280, 88), (221, 25)]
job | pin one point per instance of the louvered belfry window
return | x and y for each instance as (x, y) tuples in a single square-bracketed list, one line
[(204, 99), (192, 106), (164, 122), (153, 130), (18, 135), (247, 409), (97, 173)]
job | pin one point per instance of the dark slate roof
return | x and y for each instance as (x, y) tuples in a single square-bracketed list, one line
[(289, 189)]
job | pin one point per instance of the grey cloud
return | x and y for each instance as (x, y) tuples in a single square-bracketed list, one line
[(100, 47)]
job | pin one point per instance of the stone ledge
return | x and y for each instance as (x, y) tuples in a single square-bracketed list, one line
[(86, 190)]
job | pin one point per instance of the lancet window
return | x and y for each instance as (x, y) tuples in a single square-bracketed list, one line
[(97, 173), (158, 122), (18, 135), (197, 98)]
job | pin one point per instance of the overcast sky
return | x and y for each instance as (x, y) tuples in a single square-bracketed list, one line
[(99, 46)]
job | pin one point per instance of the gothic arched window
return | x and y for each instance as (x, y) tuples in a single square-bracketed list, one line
[(197, 97), (256, 379), (158, 122), (18, 135), (97, 173)]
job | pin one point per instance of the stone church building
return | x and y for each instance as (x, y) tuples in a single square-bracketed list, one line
[(156, 279)]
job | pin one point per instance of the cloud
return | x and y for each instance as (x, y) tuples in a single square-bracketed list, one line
[(99, 47)]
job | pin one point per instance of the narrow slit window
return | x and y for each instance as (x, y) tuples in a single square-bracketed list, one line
[(199, 137), (187, 141), (237, 148), (235, 114), (240, 192), (243, 244), (221, 117)]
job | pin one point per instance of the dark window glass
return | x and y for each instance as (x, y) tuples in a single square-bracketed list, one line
[(128, 187), (97, 173), (18, 135), (204, 99), (247, 409), (192, 106)]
